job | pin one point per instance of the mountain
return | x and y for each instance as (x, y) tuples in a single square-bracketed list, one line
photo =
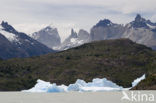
[(120, 61), (105, 29), (75, 39), (16, 44), (140, 30), (48, 36)]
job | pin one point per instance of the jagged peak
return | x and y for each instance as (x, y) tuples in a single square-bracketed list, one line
[(7, 27), (139, 18), (139, 22), (143, 20), (104, 23), (73, 33), (72, 30)]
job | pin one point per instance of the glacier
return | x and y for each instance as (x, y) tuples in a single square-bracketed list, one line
[(97, 85)]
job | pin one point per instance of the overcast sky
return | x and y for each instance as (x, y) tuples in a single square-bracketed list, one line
[(31, 15)]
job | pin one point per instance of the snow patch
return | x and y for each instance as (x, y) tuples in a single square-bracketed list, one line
[(152, 27), (73, 40), (81, 86), (10, 36)]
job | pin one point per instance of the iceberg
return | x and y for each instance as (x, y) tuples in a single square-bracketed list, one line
[(97, 84), (138, 80)]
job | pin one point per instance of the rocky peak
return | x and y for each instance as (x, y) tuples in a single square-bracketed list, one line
[(73, 34), (7, 27), (138, 18), (139, 22), (104, 23), (49, 36)]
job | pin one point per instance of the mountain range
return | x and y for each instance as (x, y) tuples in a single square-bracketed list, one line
[(75, 39), (17, 44), (140, 30)]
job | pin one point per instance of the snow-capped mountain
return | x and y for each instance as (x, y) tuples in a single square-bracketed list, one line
[(140, 30), (48, 36), (18, 44), (75, 39)]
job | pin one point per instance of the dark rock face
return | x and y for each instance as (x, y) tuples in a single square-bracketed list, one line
[(21, 45), (139, 22), (48, 36), (73, 34), (8, 27), (103, 23)]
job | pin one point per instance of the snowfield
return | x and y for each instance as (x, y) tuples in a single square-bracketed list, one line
[(10, 36), (81, 86)]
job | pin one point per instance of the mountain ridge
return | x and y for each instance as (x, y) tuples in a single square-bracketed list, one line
[(17, 44), (140, 30)]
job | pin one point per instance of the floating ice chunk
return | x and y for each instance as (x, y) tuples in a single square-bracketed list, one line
[(100, 89), (138, 80), (80, 85), (43, 86), (102, 83)]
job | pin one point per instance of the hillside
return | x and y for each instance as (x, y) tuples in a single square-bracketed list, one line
[(119, 60)]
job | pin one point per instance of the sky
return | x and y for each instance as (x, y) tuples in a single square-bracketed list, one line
[(32, 15)]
